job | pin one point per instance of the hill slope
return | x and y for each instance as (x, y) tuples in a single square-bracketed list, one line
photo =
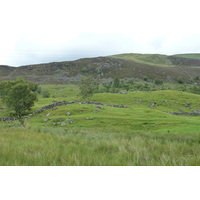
[(167, 68)]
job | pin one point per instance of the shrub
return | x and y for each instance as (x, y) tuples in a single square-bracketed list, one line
[(180, 80), (98, 71), (45, 94), (158, 82), (145, 78), (116, 82), (84, 70)]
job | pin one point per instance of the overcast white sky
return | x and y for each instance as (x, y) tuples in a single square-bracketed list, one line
[(36, 31)]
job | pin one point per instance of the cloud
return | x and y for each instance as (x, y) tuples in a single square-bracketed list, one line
[(38, 31), (30, 50)]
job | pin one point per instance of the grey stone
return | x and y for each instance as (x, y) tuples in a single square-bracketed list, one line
[(70, 122), (68, 113), (152, 104), (63, 124), (91, 118)]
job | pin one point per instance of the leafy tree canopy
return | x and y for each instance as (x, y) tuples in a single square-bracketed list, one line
[(88, 87), (18, 95)]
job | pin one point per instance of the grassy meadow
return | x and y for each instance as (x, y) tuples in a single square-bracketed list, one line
[(141, 134)]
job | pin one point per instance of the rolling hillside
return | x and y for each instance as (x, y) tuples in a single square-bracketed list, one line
[(153, 66), (96, 132)]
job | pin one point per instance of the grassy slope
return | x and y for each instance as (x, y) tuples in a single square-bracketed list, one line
[(138, 135), (191, 56), (150, 59)]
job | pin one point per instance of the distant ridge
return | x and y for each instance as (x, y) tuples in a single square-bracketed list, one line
[(190, 55), (130, 65)]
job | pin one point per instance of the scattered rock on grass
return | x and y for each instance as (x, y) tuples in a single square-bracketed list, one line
[(70, 122), (68, 113), (152, 104), (91, 118)]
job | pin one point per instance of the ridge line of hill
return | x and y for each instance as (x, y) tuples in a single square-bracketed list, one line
[(137, 66)]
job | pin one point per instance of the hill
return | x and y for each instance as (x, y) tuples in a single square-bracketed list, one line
[(137, 66), (191, 55)]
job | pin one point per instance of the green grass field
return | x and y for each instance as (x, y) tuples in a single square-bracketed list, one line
[(137, 135)]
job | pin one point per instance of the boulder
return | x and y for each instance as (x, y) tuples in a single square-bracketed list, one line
[(152, 104), (70, 122), (91, 118), (68, 113)]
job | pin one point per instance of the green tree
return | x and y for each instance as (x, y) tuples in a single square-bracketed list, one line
[(107, 86), (88, 86), (18, 95), (116, 82)]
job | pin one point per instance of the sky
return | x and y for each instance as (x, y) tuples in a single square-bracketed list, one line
[(41, 31)]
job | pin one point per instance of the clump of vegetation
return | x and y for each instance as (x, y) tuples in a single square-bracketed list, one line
[(98, 71), (18, 95), (158, 82), (60, 119), (88, 86), (84, 70), (145, 78), (180, 80), (46, 94), (116, 82)]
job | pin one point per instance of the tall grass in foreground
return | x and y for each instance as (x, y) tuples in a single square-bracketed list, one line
[(61, 147)]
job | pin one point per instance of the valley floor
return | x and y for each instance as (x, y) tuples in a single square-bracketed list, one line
[(141, 133)]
